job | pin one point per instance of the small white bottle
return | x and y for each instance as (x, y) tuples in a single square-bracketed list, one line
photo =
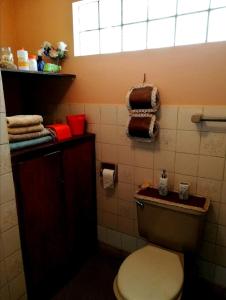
[(23, 62), (33, 63), (163, 184)]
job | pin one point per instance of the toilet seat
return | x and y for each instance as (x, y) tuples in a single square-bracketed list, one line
[(150, 273)]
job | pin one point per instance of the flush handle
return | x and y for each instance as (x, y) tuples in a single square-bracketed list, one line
[(140, 204)]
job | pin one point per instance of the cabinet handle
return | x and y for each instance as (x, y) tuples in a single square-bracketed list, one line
[(52, 153)]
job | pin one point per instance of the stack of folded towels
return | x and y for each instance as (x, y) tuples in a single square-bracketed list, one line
[(27, 130)]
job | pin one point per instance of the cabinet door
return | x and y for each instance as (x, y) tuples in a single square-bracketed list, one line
[(42, 222), (80, 198)]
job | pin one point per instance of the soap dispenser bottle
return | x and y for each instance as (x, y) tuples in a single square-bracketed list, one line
[(163, 184)]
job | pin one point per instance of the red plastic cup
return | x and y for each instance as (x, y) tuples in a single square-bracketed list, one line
[(76, 123)]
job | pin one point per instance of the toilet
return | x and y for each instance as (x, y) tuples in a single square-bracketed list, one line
[(156, 271)]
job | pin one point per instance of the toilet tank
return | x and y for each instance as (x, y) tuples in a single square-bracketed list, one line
[(170, 222)]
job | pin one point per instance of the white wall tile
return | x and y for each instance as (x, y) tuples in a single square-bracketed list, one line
[(125, 173), (188, 141), (211, 167), (109, 134), (92, 112), (3, 274), (6, 188), (2, 252), (192, 181), (110, 205), (122, 115), (114, 238), (11, 240), (3, 131), (129, 243), (209, 188), (143, 155), (95, 128), (213, 212), (98, 151), (166, 140), (5, 161), (4, 293), (210, 232), (14, 265), (186, 164), (168, 116), (184, 117), (109, 153), (220, 276), (213, 144), (127, 209), (221, 235), (122, 138), (125, 191), (126, 225), (17, 287), (110, 220), (8, 215), (108, 114), (142, 175), (223, 192), (164, 160), (222, 214), (125, 155)]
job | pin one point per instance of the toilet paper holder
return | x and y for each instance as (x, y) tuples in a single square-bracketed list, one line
[(110, 166)]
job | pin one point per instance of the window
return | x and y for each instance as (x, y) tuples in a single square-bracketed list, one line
[(110, 26)]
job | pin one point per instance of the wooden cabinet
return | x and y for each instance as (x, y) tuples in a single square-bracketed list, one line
[(55, 191)]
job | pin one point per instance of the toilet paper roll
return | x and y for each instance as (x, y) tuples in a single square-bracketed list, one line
[(108, 178)]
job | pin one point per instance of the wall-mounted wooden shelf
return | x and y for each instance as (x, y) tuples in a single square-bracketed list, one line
[(37, 74)]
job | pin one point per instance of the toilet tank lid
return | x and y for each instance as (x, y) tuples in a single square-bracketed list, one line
[(194, 205)]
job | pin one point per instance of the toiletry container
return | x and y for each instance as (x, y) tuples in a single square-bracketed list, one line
[(23, 61), (163, 184), (156, 271), (32, 63)]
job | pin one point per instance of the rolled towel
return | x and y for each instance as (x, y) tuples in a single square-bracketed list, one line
[(143, 129), (25, 129), (28, 136), (145, 97), (24, 120)]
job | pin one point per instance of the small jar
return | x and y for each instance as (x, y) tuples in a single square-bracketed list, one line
[(23, 62), (32, 63), (6, 55)]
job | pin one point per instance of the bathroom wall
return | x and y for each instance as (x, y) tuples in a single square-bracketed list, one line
[(189, 153), (12, 285)]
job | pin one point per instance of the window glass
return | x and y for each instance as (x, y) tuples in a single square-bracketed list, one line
[(161, 33), (110, 40), (89, 42), (191, 29), (217, 25), (217, 3), (88, 16), (161, 8), (134, 11), (187, 6), (110, 13), (134, 37)]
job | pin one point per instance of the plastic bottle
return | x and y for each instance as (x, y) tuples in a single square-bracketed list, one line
[(23, 62), (32, 63), (163, 184)]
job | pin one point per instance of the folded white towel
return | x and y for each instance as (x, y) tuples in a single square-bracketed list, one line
[(24, 120)]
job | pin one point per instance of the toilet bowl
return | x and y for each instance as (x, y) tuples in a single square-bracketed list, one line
[(150, 273)]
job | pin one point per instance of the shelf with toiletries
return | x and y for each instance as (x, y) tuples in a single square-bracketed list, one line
[(38, 73)]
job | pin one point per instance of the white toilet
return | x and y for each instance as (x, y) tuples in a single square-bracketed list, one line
[(156, 271)]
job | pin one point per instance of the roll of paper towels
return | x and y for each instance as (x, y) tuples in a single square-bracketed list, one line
[(108, 178)]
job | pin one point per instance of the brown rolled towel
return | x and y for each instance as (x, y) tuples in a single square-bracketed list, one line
[(25, 129), (28, 136), (24, 120), (145, 97), (143, 128)]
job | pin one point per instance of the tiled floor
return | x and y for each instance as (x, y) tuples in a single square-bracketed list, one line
[(94, 282)]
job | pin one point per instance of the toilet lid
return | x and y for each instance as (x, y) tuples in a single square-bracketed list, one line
[(151, 273)]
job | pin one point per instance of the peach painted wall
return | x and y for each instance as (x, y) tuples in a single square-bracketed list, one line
[(184, 75), (7, 23)]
